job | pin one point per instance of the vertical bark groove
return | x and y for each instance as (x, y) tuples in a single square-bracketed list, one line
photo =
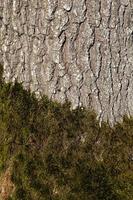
[(81, 50)]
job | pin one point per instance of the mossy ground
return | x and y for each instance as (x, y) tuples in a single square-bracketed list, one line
[(59, 154)]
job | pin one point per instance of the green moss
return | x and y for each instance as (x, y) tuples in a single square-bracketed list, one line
[(59, 154)]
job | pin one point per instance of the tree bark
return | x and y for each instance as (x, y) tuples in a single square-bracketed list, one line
[(80, 50)]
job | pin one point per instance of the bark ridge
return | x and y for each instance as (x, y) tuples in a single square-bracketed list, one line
[(80, 50)]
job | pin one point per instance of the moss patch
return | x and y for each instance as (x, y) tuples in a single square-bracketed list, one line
[(59, 154)]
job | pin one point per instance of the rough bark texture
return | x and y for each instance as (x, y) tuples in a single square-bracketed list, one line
[(81, 50)]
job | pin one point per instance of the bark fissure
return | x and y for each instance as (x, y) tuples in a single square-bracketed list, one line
[(80, 50)]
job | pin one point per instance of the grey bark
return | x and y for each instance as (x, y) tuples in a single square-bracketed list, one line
[(80, 50)]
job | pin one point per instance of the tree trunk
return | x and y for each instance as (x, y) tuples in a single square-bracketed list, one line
[(80, 50)]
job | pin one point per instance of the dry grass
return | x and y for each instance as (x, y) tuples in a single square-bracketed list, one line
[(6, 185)]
